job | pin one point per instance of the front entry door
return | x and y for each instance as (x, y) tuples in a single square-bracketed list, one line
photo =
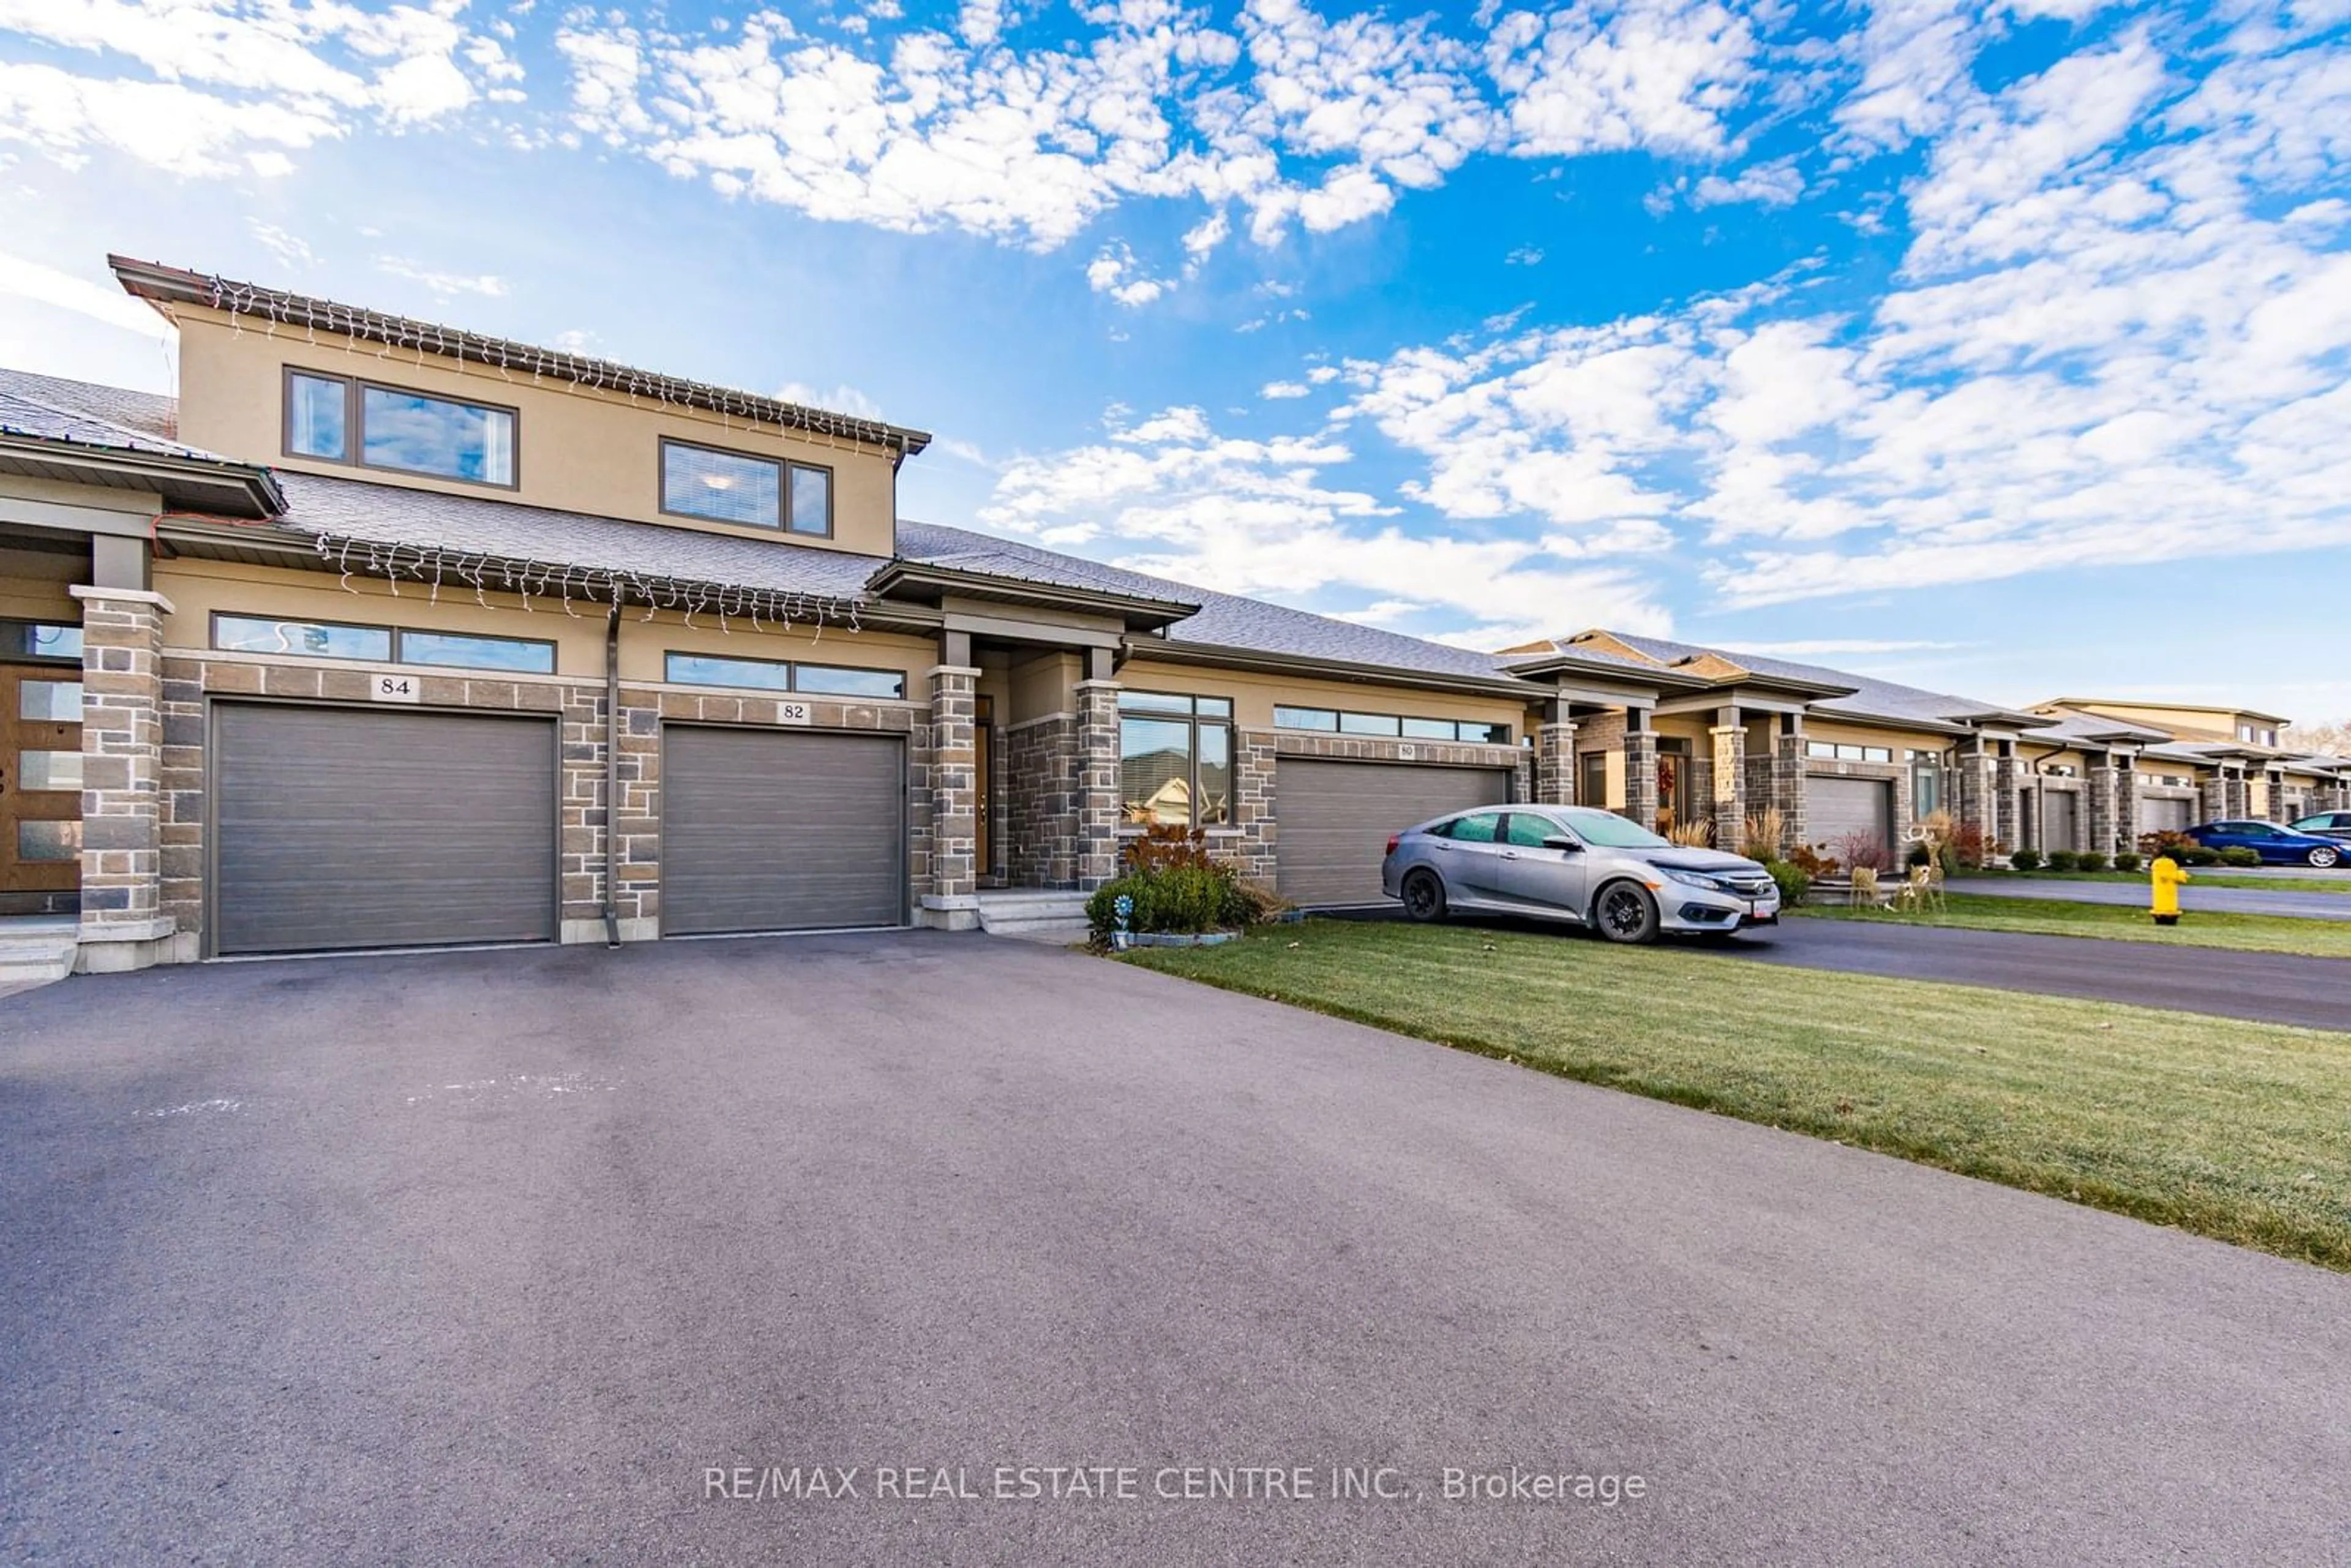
[(41, 789), (983, 732)]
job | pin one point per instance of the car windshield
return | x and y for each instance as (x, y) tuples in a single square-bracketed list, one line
[(1610, 831)]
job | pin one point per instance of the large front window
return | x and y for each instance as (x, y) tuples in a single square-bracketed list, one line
[(1175, 760), (345, 421)]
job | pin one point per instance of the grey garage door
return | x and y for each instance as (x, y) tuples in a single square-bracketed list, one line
[(769, 830), (1837, 808), (2159, 815), (2061, 819), (1333, 819), (367, 827)]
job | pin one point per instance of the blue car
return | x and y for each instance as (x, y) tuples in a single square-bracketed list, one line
[(2275, 845)]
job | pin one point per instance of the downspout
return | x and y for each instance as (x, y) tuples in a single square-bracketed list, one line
[(612, 775)]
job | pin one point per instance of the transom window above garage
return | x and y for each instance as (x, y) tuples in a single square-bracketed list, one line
[(784, 675), (737, 487), (1842, 751), (342, 420), (1334, 721), (382, 644), (40, 641), (1175, 759)]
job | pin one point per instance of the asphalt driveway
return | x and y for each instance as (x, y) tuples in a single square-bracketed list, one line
[(2284, 900), (497, 1256), (2270, 988)]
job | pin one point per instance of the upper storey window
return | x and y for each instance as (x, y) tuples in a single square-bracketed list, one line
[(730, 488), (344, 421)]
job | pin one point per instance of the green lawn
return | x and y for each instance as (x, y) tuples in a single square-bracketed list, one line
[(2052, 917), (2237, 1131), (2206, 876)]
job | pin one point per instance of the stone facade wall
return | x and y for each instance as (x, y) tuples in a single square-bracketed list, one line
[(2098, 810), (954, 795), (123, 922), (2213, 798), (1788, 786), (1043, 807), (2005, 807), (1098, 782)]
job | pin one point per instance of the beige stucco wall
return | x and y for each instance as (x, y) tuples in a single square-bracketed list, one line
[(1255, 694), (33, 584), (2188, 724), (1043, 686), (576, 449)]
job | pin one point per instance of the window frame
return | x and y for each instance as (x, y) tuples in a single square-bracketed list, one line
[(1194, 721), (397, 636), (1338, 726), (355, 426), (28, 626), (792, 668), (783, 467)]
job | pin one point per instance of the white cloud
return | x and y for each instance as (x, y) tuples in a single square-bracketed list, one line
[(234, 87), (1284, 389), (289, 249), (1661, 74), (843, 399), (444, 284), (103, 302), (1171, 497), (1113, 272)]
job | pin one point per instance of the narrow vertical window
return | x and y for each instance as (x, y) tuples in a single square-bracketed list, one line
[(318, 409), (811, 507)]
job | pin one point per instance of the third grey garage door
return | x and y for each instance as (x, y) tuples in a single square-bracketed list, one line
[(768, 830), (1836, 809), (1333, 819), (2158, 814), (364, 828)]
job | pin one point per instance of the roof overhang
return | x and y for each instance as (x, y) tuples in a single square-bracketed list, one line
[(1566, 669), (185, 484), (1172, 651), (923, 583), (166, 286), (265, 545)]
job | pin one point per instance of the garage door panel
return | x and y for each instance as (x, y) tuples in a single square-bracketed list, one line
[(2061, 820), (341, 827), (1334, 820), (780, 831), (2159, 815), (1836, 808)]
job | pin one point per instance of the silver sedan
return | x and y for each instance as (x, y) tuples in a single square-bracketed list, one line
[(1578, 864)]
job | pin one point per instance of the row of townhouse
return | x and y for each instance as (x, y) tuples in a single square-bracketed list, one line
[(384, 634)]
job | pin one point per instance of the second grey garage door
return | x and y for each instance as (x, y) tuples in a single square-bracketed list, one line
[(1836, 809), (1332, 819), (2061, 819), (2159, 815), (768, 830), (367, 827)]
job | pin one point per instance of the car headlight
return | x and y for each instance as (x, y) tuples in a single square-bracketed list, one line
[(1695, 879)]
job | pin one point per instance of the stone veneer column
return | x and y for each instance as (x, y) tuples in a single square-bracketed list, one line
[(1640, 769), (2100, 830), (1554, 783), (952, 903), (124, 926), (1097, 781), (2212, 796), (1729, 735), (1260, 764), (2006, 807), (2126, 803), (1787, 781)]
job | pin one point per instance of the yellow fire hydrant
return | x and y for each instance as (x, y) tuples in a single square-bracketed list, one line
[(2166, 876)]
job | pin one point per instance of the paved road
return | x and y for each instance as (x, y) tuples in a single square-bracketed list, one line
[(2274, 987), (489, 1257), (2233, 900)]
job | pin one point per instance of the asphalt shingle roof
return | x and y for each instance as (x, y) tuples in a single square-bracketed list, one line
[(394, 515), (113, 418), (1872, 697), (1225, 620)]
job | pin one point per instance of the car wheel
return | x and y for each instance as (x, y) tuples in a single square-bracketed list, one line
[(1626, 913), (2324, 858), (1423, 898)]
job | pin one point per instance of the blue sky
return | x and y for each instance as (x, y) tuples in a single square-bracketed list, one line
[(2005, 349)]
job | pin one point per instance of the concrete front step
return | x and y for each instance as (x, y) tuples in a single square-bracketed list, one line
[(36, 957), (1034, 916)]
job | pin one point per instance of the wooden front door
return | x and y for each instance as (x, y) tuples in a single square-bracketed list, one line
[(40, 788)]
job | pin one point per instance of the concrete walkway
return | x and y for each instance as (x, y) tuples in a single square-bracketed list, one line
[(497, 1256)]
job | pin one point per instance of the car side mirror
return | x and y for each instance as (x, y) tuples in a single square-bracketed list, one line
[(1570, 846)]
